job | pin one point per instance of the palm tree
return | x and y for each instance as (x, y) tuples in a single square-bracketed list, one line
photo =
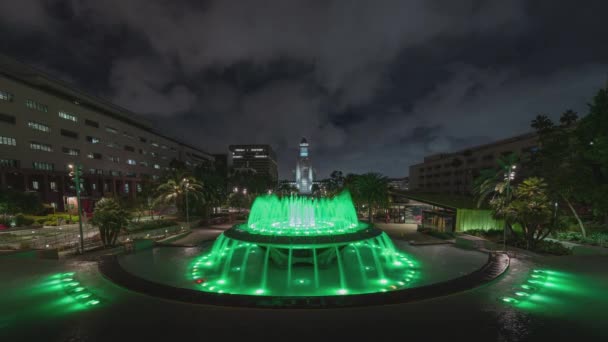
[(177, 187), (568, 118), (496, 182), (373, 190), (542, 123)]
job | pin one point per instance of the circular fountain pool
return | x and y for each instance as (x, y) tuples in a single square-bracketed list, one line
[(299, 248)]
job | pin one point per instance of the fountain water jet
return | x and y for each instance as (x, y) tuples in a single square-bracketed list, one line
[(303, 246)]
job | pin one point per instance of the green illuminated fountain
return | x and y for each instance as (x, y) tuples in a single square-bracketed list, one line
[(303, 246)]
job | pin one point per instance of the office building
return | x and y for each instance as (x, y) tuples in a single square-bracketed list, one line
[(260, 159), (454, 172), (46, 125), (399, 183)]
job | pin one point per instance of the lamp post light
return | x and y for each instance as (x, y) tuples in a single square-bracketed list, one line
[(509, 176), (75, 174), (187, 210)]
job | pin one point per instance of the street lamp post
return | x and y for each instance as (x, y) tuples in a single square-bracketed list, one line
[(187, 210), (76, 173), (509, 176)]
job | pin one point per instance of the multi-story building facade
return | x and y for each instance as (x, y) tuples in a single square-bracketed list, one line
[(399, 183), (46, 125), (454, 172), (258, 158)]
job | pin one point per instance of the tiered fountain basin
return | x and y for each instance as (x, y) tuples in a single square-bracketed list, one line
[(300, 250)]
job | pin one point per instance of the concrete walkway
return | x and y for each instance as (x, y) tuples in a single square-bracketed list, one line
[(202, 234), (409, 233)]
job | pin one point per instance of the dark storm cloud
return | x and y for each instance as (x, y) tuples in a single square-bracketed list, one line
[(374, 85)]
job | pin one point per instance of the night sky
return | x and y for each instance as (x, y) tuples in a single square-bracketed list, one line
[(373, 85)]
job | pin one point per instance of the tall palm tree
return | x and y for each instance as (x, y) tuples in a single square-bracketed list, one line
[(373, 190), (177, 187), (496, 182)]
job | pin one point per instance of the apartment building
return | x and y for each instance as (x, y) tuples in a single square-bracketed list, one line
[(46, 124), (454, 172)]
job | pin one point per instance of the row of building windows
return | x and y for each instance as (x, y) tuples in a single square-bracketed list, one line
[(6, 96), (7, 118), (43, 166), (8, 141), (68, 116), (31, 104), (38, 126), (40, 146)]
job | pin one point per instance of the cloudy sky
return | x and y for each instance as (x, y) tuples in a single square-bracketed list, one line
[(373, 85)]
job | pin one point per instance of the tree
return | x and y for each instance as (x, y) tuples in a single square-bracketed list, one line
[(335, 183), (542, 123), (531, 208), (559, 152), (175, 189), (568, 118), (286, 189), (110, 217), (592, 151), (372, 189)]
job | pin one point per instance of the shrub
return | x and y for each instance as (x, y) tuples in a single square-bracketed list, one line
[(485, 233), (147, 225), (543, 246), (23, 220)]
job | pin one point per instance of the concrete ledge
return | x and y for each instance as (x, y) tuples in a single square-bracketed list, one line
[(589, 250), (496, 265), (170, 239)]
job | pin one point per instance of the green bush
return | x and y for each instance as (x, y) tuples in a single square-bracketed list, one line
[(147, 225), (23, 220), (543, 247), (595, 238), (485, 233)]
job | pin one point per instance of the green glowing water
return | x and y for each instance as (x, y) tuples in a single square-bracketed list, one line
[(367, 266), (304, 216), (314, 266)]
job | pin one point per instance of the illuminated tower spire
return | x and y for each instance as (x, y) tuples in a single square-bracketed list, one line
[(304, 174)]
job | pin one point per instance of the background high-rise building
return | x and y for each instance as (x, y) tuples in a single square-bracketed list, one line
[(454, 172), (46, 124), (304, 172), (258, 158)]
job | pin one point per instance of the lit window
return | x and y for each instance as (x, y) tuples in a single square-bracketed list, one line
[(68, 116), (70, 151), (93, 140), (40, 147), (6, 96), (43, 166), (37, 106), (8, 141), (92, 155), (114, 159), (143, 163), (53, 185), (128, 135), (38, 126), (113, 145), (156, 166), (9, 163), (35, 185), (111, 130), (154, 144), (94, 186), (131, 162), (126, 187)]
